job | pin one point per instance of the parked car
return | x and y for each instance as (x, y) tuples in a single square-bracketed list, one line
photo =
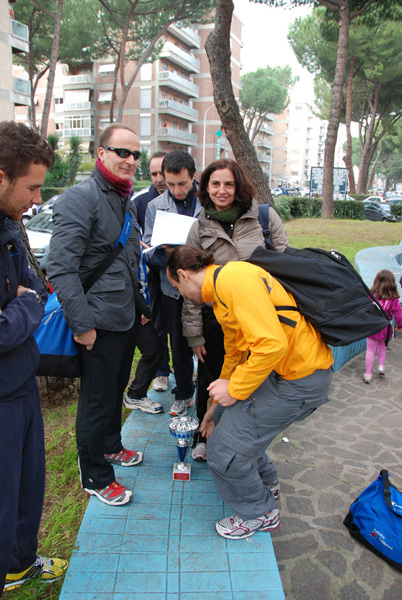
[(39, 231), (389, 195), (378, 211), (374, 198), (31, 212), (48, 205)]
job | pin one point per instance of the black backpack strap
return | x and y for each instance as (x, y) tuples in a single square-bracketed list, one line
[(113, 254), (216, 273), (387, 491), (263, 217)]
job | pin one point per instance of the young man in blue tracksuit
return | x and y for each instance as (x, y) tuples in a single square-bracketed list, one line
[(24, 159)]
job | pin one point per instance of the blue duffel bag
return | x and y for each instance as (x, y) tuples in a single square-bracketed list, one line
[(58, 351), (375, 519)]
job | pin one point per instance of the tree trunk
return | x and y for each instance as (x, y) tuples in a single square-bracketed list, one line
[(348, 157), (365, 158), (52, 69), (336, 111), (373, 166), (218, 51)]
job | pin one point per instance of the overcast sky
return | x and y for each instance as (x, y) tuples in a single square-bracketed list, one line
[(264, 36)]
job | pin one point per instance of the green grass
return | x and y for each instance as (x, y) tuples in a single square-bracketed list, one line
[(65, 503)]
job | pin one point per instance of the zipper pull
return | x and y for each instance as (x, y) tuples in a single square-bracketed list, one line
[(8, 284)]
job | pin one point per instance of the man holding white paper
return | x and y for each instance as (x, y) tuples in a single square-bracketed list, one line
[(179, 198)]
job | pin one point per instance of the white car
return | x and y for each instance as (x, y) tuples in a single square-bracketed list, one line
[(31, 212), (39, 231)]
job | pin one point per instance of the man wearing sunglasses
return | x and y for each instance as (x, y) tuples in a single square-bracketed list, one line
[(88, 220)]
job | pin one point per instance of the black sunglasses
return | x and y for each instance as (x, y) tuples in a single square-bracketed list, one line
[(124, 153)]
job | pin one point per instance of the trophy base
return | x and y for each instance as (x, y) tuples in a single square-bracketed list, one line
[(180, 474)]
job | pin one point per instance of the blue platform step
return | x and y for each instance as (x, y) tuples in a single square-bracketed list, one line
[(163, 545)]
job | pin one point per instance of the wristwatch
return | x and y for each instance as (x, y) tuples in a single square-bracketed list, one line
[(39, 299)]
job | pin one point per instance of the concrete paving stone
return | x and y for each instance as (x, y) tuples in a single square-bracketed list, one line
[(339, 540), (294, 547), (370, 570), (394, 592), (287, 470), (354, 591), (334, 562), (330, 503), (308, 583), (299, 505), (318, 479), (332, 468), (292, 526)]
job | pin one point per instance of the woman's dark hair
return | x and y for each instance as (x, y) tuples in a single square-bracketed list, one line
[(384, 286), (244, 190), (188, 258)]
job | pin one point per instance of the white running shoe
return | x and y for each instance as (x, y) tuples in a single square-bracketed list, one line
[(161, 383), (199, 452), (234, 528), (145, 404)]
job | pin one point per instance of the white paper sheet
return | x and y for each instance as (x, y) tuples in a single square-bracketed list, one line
[(170, 229)]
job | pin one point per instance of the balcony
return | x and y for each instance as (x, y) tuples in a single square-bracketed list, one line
[(19, 37), (263, 142), (175, 109), (266, 129), (180, 84), (169, 134), (72, 106), (180, 57), (264, 158), (186, 35), (22, 92), (79, 82), (83, 132)]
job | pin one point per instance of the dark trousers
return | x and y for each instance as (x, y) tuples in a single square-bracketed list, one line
[(151, 348), (158, 320), (209, 370), (105, 371), (22, 477), (182, 355)]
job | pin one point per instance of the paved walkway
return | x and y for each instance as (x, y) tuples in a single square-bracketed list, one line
[(163, 546)]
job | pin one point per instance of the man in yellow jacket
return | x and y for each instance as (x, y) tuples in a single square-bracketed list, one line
[(277, 370)]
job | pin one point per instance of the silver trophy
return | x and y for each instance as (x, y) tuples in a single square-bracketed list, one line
[(183, 429)]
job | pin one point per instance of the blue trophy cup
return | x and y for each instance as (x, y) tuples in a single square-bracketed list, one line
[(183, 429)]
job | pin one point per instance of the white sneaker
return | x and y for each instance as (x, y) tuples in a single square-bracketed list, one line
[(161, 383), (275, 489), (145, 404), (199, 452), (179, 408), (234, 528)]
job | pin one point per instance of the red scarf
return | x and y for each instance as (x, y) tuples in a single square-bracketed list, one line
[(123, 186)]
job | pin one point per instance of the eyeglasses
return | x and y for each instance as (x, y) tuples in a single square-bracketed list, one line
[(124, 153)]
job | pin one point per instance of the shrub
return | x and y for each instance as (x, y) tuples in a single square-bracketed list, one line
[(348, 209), (49, 192)]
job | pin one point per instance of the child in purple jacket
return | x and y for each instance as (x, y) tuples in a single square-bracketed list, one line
[(384, 289)]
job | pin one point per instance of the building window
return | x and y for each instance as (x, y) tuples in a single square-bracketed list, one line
[(77, 122), (108, 69), (145, 125), (58, 100), (103, 123), (146, 72), (145, 97), (105, 96)]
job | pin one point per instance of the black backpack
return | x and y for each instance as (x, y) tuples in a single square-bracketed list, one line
[(328, 291)]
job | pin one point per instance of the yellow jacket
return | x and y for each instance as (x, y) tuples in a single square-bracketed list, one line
[(256, 341)]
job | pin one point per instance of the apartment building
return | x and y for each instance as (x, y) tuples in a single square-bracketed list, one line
[(170, 104), (14, 91)]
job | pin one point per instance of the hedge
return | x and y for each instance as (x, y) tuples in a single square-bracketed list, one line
[(296, 207)]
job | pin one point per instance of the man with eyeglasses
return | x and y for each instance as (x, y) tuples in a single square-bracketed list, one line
[(88, 220)]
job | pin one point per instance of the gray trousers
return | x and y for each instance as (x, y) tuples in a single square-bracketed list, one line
[(237, 446)]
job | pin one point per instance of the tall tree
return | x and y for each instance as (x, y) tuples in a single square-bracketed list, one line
[(264, 91), (345, 11), (217, 48), (375, 76), (132, 30)]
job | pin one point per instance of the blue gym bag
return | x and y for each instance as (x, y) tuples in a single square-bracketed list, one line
[(59, 356), (375, 519)]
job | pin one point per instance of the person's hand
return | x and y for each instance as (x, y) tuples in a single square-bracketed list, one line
[(207, 426), (200, 352), (86, 339), (399, 329), (144, 320), (144, 245), (21, 290), (218, 390)]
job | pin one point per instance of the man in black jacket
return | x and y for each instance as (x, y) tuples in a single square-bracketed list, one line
[(88, 221), (24, 159)]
